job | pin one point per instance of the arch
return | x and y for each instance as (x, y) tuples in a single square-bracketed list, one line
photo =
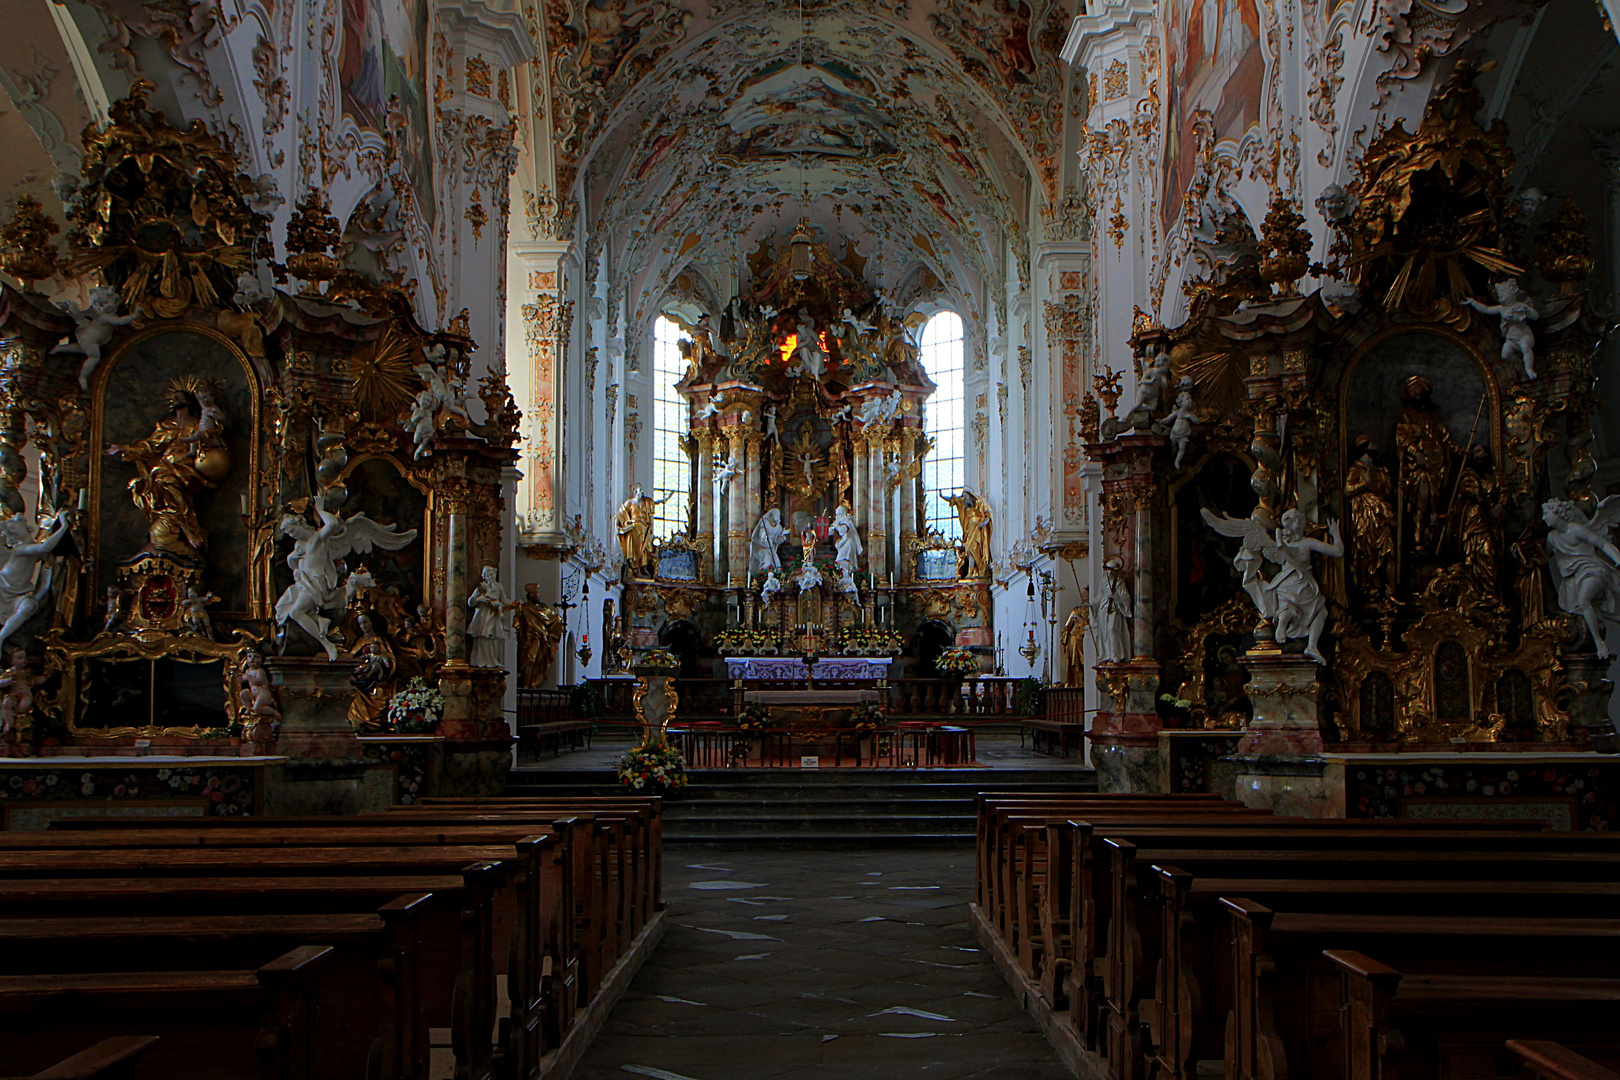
[(671, 465), (683, 639), (932, 638), (944, 470)]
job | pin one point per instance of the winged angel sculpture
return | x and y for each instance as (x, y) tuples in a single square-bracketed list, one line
[(1585, 563), (316, 561), (1291, 600)]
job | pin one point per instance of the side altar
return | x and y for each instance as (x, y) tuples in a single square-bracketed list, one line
[(264, 495), (804, 532), (1361, 520)]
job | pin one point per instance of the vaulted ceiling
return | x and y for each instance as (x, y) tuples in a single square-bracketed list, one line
[(926, 132)]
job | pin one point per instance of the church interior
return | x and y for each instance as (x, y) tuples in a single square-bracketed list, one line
[(726, 539)]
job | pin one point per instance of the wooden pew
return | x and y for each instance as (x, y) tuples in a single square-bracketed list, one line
[(1288, 992), (1552, 1061), (368, 1004), (1444, 1026), (226, 1025), (1193, 986), (109, 1059)]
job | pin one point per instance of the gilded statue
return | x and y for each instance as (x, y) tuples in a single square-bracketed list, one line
[(1370, 495), (1074, 641), (634, 524), (1480, 510), (184, 456), (1530, 580), (973, 513), (1426, 449), (374, 677), (539, 630)]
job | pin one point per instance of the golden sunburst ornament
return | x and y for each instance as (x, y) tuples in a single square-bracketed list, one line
[(384, 373)]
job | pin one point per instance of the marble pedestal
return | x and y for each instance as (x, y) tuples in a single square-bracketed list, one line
[(478, 740), (1278, 764), (656, 701), (1125, 733), (326, 767)]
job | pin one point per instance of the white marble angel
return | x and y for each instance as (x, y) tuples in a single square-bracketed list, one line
[(22, 586), (724, 470), (1180, 422), (1291, 599), (811, 360), (846, 581), (846, 540), (316, 564), (1585, 564), (96, 325), (769, 532), (711, 408), (770, 424), (1515, 309), (441, 394)]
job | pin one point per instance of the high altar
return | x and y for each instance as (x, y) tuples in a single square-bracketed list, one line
[(805, 445), (264, 496), (1361, 521)]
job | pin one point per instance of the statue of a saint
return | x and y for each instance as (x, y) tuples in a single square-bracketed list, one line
[(847, 547), (1426, 449), (539, 630), (1480, 510), (373, 676), (769, 532), (1074, 642), (486, 633), (634, 524), (183, 457), (1368, 490), (974, 515), (1585, 564), (1114, 612)]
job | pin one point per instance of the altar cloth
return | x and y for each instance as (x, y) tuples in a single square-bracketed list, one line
[(828, 669)]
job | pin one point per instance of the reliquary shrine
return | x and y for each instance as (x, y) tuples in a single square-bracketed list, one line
[(1363, 519), (804, 531), (246, 501)]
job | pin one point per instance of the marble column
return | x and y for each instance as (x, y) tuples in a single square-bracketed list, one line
[(736, 513), (860, 493), (1142, 610), (705, 501), (908, 505), (753, 470), (456, 590), (875, 497)]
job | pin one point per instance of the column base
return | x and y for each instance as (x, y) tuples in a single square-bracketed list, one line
[(1288, 786)]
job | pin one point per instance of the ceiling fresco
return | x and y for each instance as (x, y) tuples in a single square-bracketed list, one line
[(926, 133)]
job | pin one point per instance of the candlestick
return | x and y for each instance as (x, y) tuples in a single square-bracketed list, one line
[(84, 494), (244, 504)]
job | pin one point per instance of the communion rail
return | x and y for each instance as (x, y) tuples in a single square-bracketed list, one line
[(909, 746)]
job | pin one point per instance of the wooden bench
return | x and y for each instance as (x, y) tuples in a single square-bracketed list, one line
[(109, 1059), (1448, 1026), (226, 1025), (1552, 1061), (1287, 994)]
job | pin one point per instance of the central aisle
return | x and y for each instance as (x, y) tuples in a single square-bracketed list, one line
[(834, 965)]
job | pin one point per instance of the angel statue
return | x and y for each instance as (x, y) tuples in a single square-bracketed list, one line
[(1585, 563), (1291, 599), (96, 324), (724, 470), (769, 532), (1515, 309), (316, 561), (22, 588), (846, 540), (443, 393)]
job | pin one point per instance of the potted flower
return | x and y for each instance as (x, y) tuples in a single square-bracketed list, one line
[(870, 717), (753, 718), (653, 769), (658, 662), (956, 664), (415, 710)]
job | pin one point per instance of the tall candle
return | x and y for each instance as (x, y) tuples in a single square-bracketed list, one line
[(84, 497)]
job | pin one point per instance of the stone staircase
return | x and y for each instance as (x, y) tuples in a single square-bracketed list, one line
[(788, 808)]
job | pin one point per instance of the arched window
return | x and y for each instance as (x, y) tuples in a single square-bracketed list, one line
[(672, 469), (942, 421)]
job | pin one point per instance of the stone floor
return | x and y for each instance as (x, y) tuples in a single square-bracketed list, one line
[(834, 965)]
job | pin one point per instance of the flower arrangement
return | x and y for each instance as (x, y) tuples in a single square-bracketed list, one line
[(746, 642), (958, 662), (653, 769), (659, 659), (870, 717), (869, 641), (753, 718), (415, 710)]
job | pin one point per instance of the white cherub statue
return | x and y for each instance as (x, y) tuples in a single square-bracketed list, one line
[(441, 394), (1181, 419), (96, 325), (711, 407), (724, 470), (769, 587), (1515, 309), (770, 424)]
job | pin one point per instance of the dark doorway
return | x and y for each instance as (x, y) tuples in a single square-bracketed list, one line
[(683, 639), (932, 639)]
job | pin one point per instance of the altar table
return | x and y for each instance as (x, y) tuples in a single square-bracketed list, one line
[(828, 669)]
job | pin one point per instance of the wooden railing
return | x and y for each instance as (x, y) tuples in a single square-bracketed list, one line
[(983, 695), (707, 746), (1065, 704), (542, 707)]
